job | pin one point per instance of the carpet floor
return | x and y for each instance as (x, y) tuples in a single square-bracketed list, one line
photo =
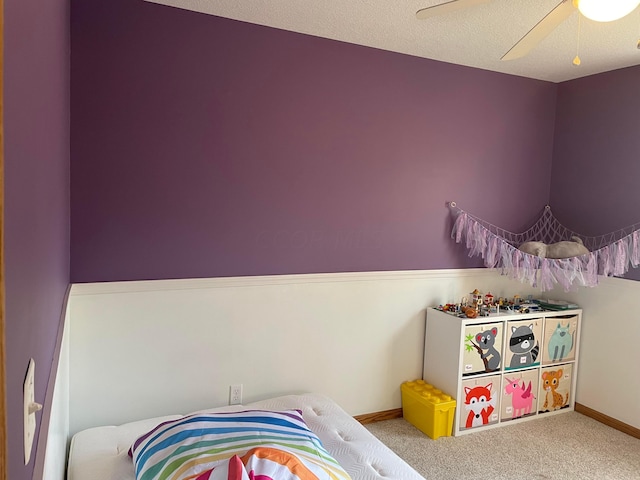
[(566, 446)]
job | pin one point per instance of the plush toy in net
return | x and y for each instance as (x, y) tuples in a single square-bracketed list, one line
[(548, 253)]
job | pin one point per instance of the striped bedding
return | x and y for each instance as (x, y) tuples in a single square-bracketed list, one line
[(246, 445)]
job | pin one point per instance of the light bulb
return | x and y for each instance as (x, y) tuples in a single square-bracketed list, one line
[(606, 10)]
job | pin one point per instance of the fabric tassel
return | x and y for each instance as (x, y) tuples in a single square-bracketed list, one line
[(546, 282), (459, 227), (606, 266), (620, 260), (491, 260), (591, 277), (635, 249), (498, 249)]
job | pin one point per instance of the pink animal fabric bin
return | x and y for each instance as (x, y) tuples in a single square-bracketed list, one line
[(519, 394)]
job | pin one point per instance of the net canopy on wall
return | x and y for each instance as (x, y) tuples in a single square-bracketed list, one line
[(609, 255)]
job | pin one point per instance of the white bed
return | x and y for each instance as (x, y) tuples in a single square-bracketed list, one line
[(100, 453)]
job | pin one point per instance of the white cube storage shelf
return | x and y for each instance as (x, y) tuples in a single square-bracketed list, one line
[(505, 368)]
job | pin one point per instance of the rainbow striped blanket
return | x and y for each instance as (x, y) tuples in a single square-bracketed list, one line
[(248, 445)]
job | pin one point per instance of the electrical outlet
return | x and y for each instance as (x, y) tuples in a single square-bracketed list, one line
[(235, 394)]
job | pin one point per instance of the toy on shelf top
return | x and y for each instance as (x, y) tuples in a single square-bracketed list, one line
[(486, 305), (548, 304)]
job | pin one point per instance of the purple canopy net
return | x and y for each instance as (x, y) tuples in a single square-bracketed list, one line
[(609, 255)]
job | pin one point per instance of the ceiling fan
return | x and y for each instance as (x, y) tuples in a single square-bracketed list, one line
[(598, 10)]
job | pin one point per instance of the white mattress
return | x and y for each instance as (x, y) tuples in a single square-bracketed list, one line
[(101, 453)]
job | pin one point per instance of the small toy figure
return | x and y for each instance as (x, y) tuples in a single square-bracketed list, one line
[(476, 297), (488, 299), (470, 312)]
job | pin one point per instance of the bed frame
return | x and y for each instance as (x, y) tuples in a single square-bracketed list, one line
[(100, 453)]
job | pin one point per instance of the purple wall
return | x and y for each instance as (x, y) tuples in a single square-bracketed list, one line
[(207, 147), (36, 122), (596, 167)]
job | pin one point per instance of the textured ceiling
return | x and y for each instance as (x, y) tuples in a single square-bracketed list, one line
[(477, 36)]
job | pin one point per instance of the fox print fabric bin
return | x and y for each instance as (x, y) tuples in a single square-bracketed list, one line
[(479, 401)]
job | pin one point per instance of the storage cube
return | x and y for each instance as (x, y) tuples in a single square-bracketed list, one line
[(482, 348), (560, 339), (427, 408), (519, 394), (479, 402), (523, 344), (555, 388), (451, 361)]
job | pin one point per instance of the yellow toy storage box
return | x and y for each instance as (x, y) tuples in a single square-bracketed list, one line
[(427, 408)]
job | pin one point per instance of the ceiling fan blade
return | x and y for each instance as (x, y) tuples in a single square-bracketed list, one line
[(543, 28), (447, 7)]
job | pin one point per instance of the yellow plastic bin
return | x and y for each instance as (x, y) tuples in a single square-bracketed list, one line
[(427, 408)]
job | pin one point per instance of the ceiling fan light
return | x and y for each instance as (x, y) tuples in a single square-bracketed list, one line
[(606, 10)]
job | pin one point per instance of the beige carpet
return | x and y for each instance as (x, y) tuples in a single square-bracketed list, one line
[(566, 446)]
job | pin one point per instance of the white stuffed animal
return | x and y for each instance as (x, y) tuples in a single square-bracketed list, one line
[(565, 249)]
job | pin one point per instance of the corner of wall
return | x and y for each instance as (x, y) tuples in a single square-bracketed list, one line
[(53, 439)]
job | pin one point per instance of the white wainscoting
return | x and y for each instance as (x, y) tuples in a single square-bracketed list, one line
[(140, 349), (609, 373), (53, 439)]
